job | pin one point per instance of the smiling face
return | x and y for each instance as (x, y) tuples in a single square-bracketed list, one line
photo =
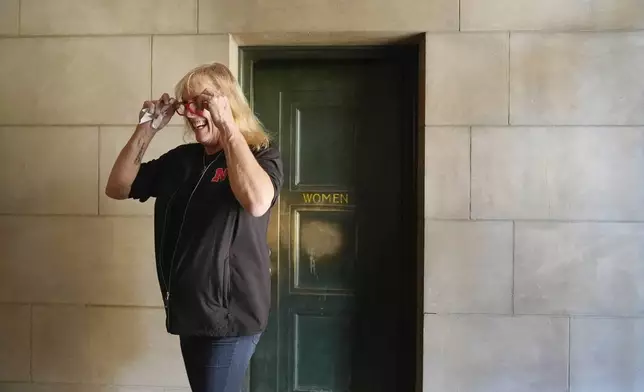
[(217, 79), (201, 122)]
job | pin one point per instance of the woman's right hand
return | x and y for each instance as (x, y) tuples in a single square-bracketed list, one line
[(158, 112)]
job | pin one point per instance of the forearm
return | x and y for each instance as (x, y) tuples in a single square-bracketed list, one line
[(250, 183), (128, 162)]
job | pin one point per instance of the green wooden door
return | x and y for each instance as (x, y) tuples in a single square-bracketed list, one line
[(337, 234)]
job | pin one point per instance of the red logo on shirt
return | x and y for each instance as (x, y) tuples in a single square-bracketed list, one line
[(220, 175)]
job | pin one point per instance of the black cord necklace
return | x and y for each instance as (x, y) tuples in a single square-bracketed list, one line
[(213, 160)]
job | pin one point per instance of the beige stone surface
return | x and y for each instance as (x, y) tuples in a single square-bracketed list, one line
[(60, 344), (467, 79), (569, 15), (9, 10), (579, 268), (217, 16), (174, 56), (112, 141), (579, 173), (53, 387), (495, 353), (113, 346), (49, 170), (233, 55), (61, 17), (59, 387), (468, 267), (15, 350), (336, 38), (73, 80), (577, 79), (132, 347), (607, 355), (447, 172), (78, 260)]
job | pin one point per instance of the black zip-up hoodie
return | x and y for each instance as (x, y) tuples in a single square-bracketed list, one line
[(212, 256)]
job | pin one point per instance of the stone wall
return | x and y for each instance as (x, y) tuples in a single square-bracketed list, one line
[(534, 243)]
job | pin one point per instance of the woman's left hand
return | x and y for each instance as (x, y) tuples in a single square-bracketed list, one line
[(222, 115)]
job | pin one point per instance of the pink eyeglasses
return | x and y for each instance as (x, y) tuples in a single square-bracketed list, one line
[(196, 106)]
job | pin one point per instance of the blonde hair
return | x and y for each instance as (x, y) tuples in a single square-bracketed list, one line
[(224, 81)]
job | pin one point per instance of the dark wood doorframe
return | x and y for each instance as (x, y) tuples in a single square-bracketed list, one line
[(412, 175)]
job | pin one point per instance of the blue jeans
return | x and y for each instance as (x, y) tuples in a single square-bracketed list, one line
[(217, 364)]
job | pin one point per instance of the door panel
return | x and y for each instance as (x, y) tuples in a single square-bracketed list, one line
[(322, 122), (322, 357), (324, 250), (338, 225)]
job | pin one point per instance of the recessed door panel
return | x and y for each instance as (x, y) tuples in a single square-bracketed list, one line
[(323, 131), (324, 250)]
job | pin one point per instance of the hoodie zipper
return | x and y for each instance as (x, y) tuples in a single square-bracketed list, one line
[(165, 224), (174, 252)]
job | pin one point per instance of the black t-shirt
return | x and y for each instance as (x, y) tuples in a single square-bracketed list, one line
[(212, 255)]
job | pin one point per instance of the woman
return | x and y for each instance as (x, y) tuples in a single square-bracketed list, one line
[(211, 216)]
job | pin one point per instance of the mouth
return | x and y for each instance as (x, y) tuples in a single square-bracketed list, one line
[(199, 124)]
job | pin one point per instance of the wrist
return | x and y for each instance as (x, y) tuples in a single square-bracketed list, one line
[(232, 135), (145, 127)]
